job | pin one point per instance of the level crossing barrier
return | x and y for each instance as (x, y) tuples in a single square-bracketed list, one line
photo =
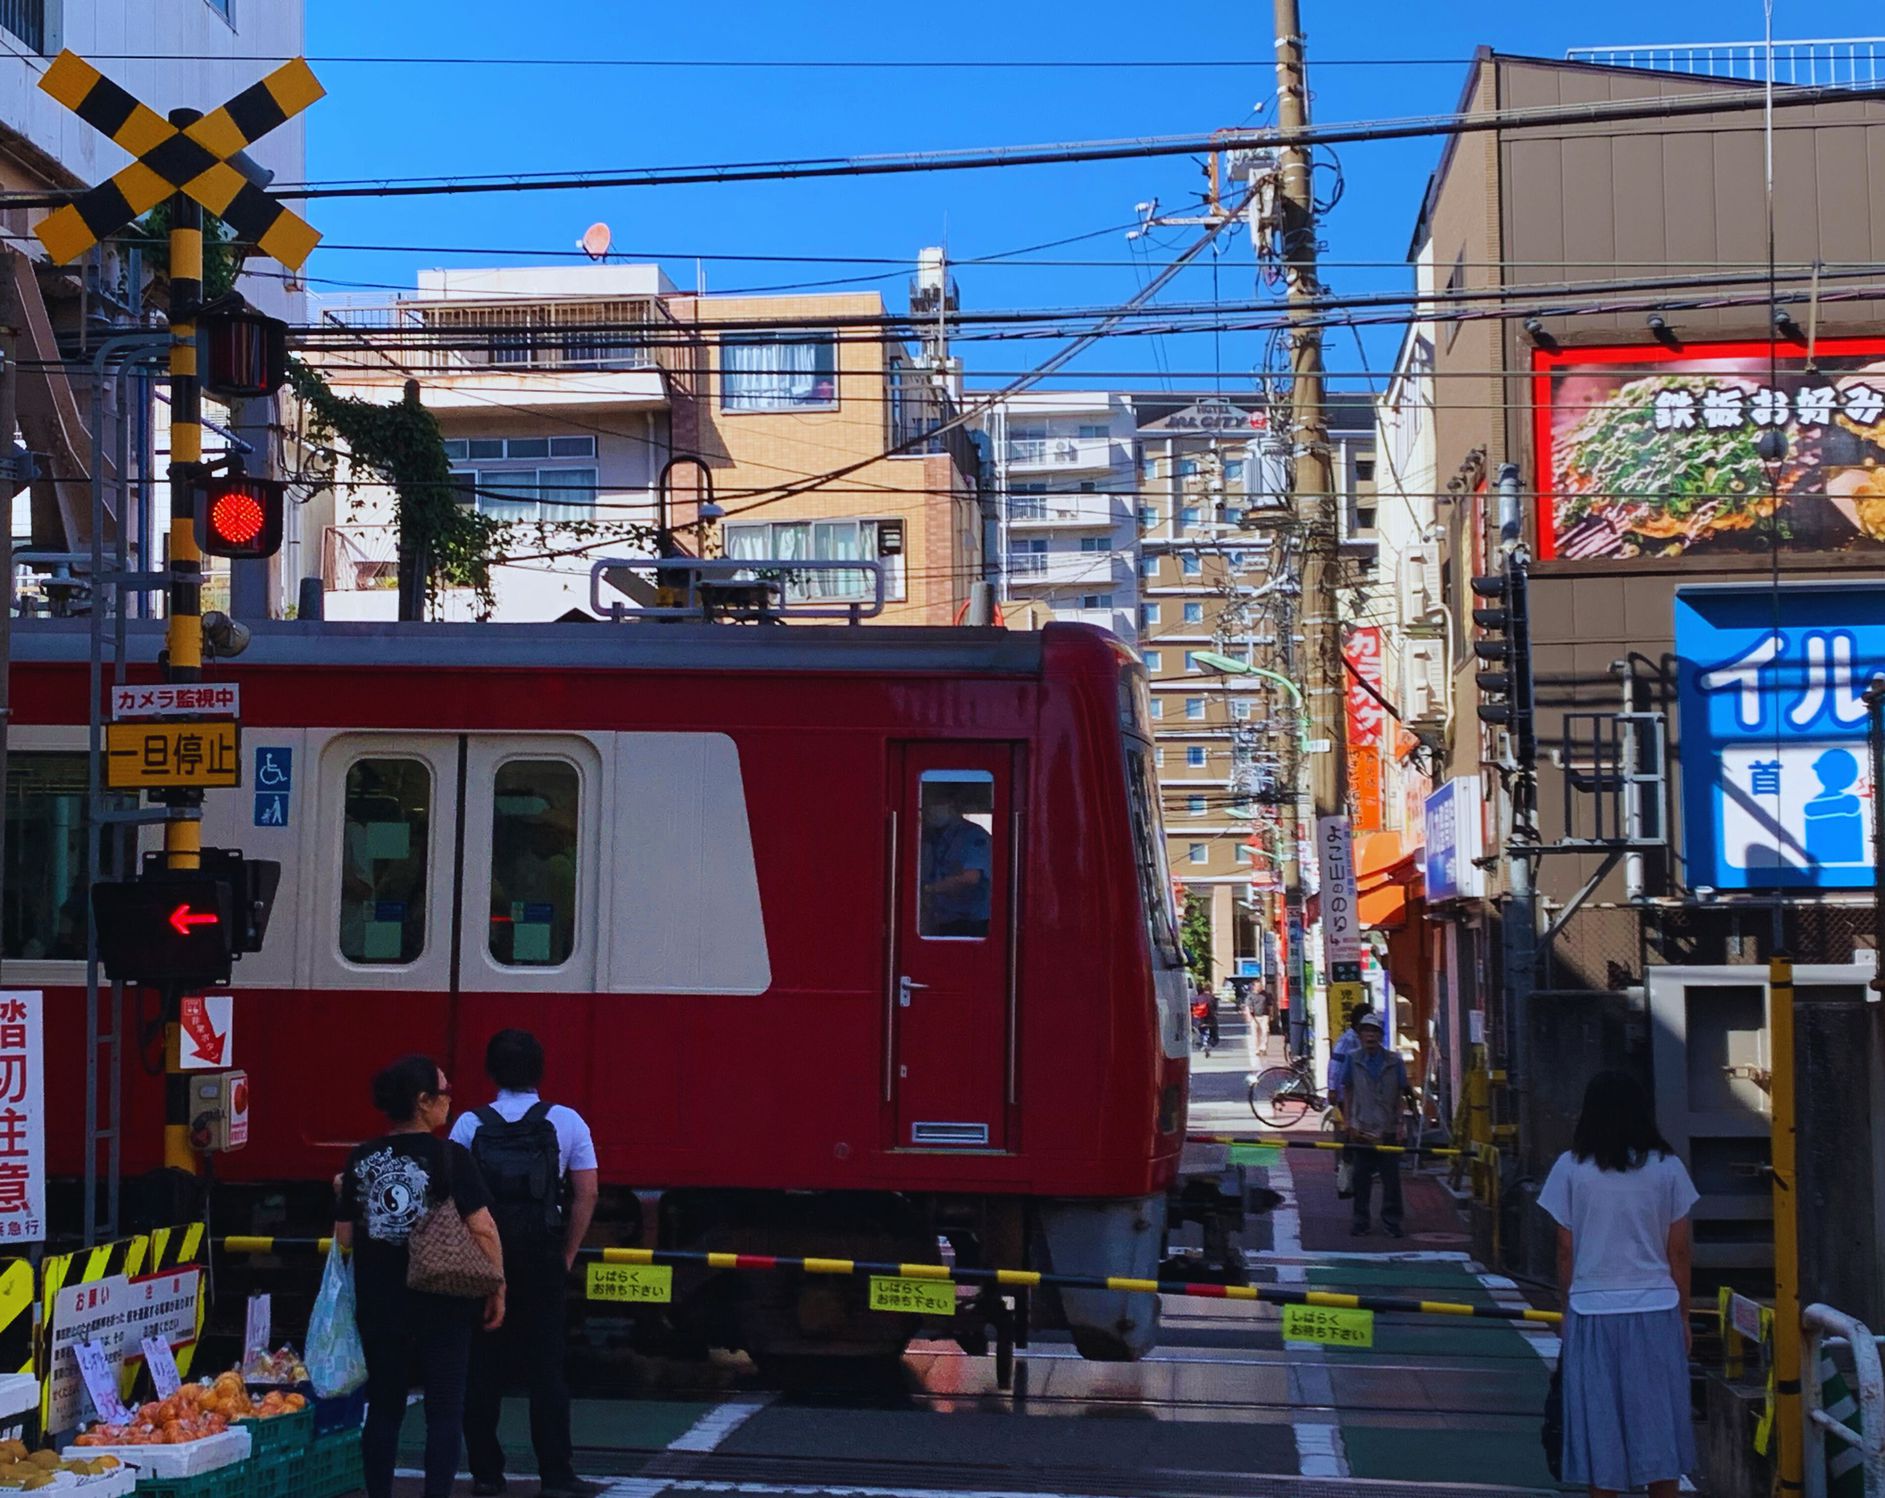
[(1824, 1327), (1020, 1279), (1278, 1141)]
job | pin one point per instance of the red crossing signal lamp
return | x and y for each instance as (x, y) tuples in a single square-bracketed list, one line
[(240, 516)]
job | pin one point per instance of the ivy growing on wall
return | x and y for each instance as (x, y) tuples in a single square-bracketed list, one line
[(222, 261), (440, 540), (1194, 936)]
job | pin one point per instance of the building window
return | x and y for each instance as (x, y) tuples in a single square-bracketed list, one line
[(1094, 431), (1148, 615), (224, 8), (1246, 853), (1233, 515), (1194, 756), (1364, 470), (1194, 707), (1148, 517), (1187, 468), (1188, 515), (1199, 852), (1148, 468), (384, 842), (1158, 758), (1148, 568), (1235, 560), (1240, 709), (1095, 543), (1194, 613), (788, 541), (1191, 564), (533, 862), (1234, 468), (1096, 600), (1191, 661), (1154, 661), (549, 495), (778, 372), (1194, 806), (1158, 707)]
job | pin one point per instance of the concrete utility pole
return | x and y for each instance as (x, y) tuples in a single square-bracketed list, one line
[(1312, 481)]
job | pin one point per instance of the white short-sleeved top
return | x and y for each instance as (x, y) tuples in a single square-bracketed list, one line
[(575, 1147), (1619, 1222)]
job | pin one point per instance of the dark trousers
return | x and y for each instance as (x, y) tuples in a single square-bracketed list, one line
[(1368, 1165), (401, 1340), (530, 1346)]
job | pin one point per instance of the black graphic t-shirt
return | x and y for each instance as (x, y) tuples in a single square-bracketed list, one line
[(387, 1186)]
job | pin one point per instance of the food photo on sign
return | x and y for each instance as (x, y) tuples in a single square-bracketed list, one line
[(1649, 452)]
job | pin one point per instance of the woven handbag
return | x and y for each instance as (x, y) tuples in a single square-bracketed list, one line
[(442, 1258)]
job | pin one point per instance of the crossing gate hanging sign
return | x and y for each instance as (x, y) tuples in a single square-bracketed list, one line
[(193, 159)]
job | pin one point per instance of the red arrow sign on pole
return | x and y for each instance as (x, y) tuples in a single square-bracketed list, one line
[(183, 918), (199, 1027)]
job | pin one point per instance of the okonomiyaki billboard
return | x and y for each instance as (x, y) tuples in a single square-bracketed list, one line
[(1652, 452)]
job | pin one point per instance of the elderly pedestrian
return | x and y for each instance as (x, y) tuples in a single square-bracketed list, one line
[(1374, 1080), (388, 1184), (1621, 1199)]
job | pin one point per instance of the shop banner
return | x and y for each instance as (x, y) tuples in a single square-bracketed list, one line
[(22, 1118), (1651, 452), (1777, 783)]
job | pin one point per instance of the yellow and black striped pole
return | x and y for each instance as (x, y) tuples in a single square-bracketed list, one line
[(183, 832), (1789, 1434)]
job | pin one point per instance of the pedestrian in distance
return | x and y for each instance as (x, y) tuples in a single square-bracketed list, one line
[(1374, 1080), (1621, 1200), (527, 1150), (1345, 1043), (1257, 1009), (388, 1184)]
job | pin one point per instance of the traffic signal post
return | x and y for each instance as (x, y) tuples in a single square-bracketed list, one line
[(180, 925)]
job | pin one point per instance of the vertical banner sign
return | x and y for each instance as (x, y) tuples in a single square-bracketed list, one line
[(1341, 919), (22, 1118), (1777, 783), (1367, 725), (1452, 841)]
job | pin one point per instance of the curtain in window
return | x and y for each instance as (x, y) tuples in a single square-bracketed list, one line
[(568, 493), (764, 376), (838, 541), (507, 495)]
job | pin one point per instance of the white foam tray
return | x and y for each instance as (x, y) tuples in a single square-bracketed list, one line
[(187, 1460), (19, 1392)]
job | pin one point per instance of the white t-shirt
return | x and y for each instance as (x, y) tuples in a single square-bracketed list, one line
[(575, 1148), (1619, 1222)]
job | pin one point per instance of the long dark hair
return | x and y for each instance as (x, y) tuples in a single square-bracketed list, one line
[(399, 1086), (1617, 1128)]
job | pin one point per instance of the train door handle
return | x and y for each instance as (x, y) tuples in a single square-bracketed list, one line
[(905, 987)]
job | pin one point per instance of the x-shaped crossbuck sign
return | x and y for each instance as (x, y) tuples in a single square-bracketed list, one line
[(193, 160)]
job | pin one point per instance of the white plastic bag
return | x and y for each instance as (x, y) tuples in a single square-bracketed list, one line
[(337, 1364)]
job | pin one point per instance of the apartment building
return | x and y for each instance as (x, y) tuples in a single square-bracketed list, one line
[(1213, 503), (800, 388), (564, 392), (1065, 476)]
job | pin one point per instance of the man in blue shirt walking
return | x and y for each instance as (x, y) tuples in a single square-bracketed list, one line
[(1373, 1082)]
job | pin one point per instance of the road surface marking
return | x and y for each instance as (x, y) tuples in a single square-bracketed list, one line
[(1319, 1449), (703, 1436)]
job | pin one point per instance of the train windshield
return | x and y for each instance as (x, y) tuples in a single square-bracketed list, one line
[(1148, 834)]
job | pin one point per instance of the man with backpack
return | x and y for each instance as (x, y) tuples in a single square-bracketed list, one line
[(526, 1149)]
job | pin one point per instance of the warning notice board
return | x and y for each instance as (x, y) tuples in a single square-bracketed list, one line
[(117, 1313)]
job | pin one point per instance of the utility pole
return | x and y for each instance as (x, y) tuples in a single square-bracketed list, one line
[(1312, 480), (183, 832), (1783, 1126), (9, 416)]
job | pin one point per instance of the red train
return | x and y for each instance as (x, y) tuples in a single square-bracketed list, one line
[(843, 939)]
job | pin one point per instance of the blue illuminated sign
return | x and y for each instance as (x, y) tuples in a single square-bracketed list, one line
[(1777, 782)]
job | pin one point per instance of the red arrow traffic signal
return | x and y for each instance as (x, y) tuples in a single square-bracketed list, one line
[(183, 918)]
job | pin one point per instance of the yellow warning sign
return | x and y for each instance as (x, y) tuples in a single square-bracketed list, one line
[(1328, 1325), (643, 1284), (924, 1297), (162, 756)]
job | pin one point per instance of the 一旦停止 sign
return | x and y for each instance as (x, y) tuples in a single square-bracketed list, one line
[(143, 755), (1646, 451), (1777, 783)]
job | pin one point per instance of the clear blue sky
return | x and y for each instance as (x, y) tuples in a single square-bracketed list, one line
[(388, 120)]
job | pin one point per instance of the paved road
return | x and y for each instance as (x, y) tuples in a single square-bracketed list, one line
[(1224, 1407)]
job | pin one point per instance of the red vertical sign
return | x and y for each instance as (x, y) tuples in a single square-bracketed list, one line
[(1367, 725)]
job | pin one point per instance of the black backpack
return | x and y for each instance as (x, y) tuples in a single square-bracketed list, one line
[(523, 1167)]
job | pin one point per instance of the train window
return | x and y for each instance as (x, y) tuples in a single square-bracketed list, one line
[(958, 852), (384, 842), (533, 862), (1148, 849), (43, 884)]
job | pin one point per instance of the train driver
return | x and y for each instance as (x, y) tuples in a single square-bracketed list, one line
[(958, 861)]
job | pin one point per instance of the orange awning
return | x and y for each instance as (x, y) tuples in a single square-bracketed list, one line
[(1387, 879)]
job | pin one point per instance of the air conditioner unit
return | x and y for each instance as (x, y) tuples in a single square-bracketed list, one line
[(1423, 681), (1420, 587)]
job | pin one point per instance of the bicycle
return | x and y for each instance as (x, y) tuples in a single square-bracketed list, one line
[(1282, 1095)]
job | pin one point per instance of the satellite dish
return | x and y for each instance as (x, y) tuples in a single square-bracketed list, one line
[(595, 242)]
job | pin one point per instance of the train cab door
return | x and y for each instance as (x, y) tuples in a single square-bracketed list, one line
[(951, 970)]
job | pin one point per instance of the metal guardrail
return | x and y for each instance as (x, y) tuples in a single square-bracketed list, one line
[(1858, 60), (729, 588), (1825, 1327)]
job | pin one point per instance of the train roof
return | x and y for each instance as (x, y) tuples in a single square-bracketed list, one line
[(598, 646)]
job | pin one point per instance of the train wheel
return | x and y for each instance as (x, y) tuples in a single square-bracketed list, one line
[(1276, 1097)]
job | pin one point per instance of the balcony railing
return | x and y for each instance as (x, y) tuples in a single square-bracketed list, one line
[(26, 19), (1098, 569), (1059, 452), (459, 337)]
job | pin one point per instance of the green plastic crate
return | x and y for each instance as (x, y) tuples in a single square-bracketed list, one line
[(282, 1473), (280, 1432), (231, 1481), (334, 1465)]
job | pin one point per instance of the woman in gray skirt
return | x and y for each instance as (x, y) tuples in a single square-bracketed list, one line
[(1621, 1200)]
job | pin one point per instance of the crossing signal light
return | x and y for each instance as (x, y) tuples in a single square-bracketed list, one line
[(176, 930), (241, 353), (1504, 650), (240, 516)]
